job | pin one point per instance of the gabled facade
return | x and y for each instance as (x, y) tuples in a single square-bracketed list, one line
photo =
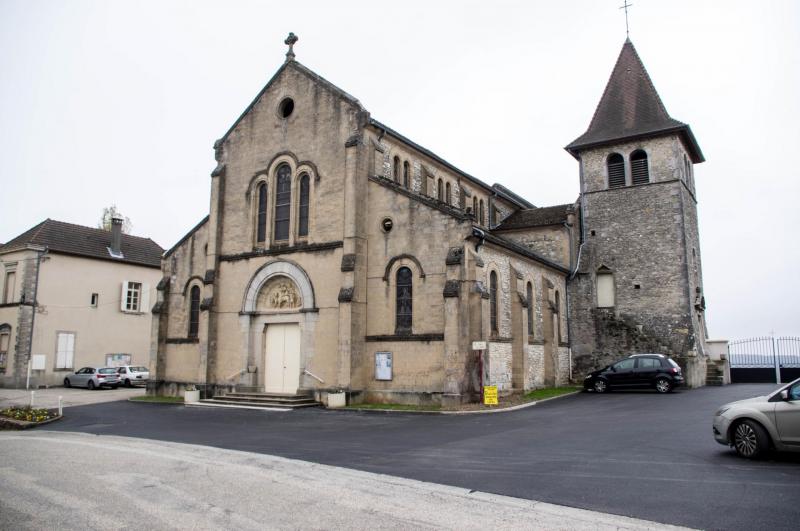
[(340, 255), (73, 296)]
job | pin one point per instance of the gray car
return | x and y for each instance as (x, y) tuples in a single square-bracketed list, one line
[(756, 425), (130, 375), (93, 378)]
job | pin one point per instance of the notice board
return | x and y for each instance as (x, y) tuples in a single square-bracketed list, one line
[(383, 365)]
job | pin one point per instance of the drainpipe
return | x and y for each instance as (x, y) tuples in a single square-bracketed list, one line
[(574, 272), (39, 255)]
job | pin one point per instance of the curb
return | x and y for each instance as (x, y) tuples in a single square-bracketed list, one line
[(475, 412), (7, 423)]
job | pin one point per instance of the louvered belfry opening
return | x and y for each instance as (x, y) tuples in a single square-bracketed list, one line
[(616, 171), (639, 171)]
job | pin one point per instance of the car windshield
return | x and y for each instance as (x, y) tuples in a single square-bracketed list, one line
[(107, 370)]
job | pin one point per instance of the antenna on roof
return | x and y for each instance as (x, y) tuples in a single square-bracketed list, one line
[(290, 40), (625, 6)]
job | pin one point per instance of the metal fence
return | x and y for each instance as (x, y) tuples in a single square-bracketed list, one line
[(764, 359)]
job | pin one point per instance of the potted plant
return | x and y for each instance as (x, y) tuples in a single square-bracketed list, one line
[(191, 394), (337, 399)]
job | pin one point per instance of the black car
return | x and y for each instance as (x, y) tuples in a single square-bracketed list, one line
[(637, 371)]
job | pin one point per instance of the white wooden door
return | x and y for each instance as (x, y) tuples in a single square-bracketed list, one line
[(282, 368)]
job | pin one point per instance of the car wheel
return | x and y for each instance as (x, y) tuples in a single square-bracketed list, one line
[(750, 440), (90, 385), (600, 386), (66, 383), (663, 385), (127, 382)]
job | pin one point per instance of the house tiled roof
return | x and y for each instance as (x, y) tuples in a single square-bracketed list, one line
[(630, 107), (536, 217), (67, 238)]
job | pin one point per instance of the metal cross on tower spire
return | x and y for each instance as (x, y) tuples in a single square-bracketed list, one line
[(625, 6), (290, 40)]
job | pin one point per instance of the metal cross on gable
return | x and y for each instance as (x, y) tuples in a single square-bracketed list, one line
[(625, 6), (290, 40)]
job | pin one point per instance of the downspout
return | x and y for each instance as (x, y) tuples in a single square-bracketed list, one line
[(39, 255)]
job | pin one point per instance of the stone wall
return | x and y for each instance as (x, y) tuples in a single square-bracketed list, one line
[(640, 234)]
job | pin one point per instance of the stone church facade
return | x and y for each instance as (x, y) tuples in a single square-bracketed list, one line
[(340, 255)]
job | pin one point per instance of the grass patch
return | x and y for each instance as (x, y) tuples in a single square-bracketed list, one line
[(396, 407), (550, 392), (158, 399)]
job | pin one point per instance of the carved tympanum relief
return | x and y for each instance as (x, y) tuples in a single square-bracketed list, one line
[(278, 294)]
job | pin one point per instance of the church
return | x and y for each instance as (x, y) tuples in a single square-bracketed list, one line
[(339, 255)]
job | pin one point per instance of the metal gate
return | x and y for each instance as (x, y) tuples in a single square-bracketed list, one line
[(764, 359)]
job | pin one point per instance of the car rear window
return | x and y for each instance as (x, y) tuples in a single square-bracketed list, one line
[(107, 371), (139, 369), (672, 362)]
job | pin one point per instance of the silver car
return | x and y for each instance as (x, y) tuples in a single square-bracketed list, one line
[(756, 425), (93, 378), (130, 375)]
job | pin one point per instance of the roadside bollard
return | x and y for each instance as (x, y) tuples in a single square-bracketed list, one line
[(60, 407), (33, 395)]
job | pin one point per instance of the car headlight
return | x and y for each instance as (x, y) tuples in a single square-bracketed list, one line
[(588, 376), (721, 410)]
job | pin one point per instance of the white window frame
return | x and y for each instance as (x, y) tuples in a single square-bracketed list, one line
[(65, 350), (134, 297)]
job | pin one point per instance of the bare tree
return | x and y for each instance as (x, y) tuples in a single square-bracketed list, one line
[(111, 212)]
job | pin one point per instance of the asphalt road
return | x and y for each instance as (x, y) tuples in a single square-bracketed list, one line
[(636, 454)]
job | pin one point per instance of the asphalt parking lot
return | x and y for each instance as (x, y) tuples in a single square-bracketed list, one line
[(637, 454)]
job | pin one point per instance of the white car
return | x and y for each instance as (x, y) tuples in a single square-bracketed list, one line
[(756, 425), (130, 375)]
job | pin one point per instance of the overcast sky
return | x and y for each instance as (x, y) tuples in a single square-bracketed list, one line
[(113, 102)]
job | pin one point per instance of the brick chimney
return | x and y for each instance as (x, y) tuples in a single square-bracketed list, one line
[(116, 235)]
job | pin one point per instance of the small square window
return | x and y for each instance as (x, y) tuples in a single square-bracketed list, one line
[(95, 299)]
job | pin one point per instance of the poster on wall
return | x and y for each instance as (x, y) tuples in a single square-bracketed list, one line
[(117, 360), (383, 365)]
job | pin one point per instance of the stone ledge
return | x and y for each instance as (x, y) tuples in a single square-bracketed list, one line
[(404, 337), (304, 248)]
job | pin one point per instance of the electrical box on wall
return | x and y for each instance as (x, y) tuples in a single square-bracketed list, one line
[(38, 362)]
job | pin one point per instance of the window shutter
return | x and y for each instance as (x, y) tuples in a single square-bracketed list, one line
[(123, 296), (144, 304), (61, 351), (70, 350)]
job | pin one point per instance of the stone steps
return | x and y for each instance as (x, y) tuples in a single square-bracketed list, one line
[(714, 375), (249, 400)]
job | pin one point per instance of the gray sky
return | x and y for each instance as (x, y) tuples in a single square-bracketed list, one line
[(120, 102)]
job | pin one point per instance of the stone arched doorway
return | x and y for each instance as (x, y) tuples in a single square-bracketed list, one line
[(279, 315)]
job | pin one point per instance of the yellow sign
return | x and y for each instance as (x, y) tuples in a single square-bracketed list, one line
[(490, 395)]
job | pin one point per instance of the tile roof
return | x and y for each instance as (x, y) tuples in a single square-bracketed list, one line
[(630, 107), (66, 238), (536, 217)]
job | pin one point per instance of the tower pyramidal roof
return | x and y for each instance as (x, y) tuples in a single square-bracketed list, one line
[(630, 108)]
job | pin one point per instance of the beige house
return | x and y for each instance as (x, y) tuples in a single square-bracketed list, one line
[(340, 255), (74, 296)]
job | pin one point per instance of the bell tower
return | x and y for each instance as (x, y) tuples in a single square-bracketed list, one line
[(638, 284)]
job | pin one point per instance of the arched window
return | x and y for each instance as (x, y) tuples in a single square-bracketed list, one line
[(439, 190), (605, 288), (557, 314), (194, 311), (616, 170), (406, 174), (261, 216), (283, 202), (639, 171), (475, 207), (493, 301), (302, 217), (529, 294), (404, 301), (480, 214), (396, 169), (447, 194)]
